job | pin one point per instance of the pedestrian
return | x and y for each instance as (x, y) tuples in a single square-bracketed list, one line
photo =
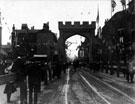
[(34, 80), (53, 70), (45, 69), (19, 69), (58, 69), (10, 86), (50, 70), (9, 89), (131, 70), (2, 67)]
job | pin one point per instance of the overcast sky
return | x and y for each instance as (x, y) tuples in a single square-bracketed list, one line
[(37, 12)]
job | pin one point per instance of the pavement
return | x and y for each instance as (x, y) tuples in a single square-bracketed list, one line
[(15, 97)]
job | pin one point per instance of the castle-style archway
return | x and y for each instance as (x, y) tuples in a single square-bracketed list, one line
[(67, 30)]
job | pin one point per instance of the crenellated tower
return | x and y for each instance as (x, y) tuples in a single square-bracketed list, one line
[(69, 29)]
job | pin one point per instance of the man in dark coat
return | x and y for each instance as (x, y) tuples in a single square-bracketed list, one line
[(19, 69), (34, 80), (45, 69), (50, 70)]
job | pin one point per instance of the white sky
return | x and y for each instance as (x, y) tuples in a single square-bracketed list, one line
[(75, 41), (37, 12)]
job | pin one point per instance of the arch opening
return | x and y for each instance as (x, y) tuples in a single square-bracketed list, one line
[(72, 45), (68, 30)]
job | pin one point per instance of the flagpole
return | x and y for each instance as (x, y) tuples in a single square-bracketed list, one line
[(111, 8), (97, 20), (98, 15)]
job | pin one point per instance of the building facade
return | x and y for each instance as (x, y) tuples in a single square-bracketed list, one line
[(118, 37), (33, 41)]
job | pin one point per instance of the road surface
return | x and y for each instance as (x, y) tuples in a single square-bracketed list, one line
[(82, 87), (87, 87)]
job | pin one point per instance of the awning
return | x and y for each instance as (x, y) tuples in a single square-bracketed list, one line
[(40, 55)]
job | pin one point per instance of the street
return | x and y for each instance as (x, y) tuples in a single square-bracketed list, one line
[(82, 87), (85, 87), (67, 52)]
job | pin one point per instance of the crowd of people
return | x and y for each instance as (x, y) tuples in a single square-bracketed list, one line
[(128, 69), (3, 65), (29, 75)]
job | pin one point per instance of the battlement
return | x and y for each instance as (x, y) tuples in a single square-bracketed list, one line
[(76, 25)]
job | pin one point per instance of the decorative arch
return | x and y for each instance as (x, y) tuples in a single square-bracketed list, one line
[(68, 29)]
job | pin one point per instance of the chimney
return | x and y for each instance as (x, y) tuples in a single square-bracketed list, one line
[(24, 27), (32, 28), (46, 26)]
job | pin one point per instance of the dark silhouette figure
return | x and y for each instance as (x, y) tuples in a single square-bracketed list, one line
[(9, 89), (130, 71), (19, 69), (45, 70), (34, 80), (50, 70)]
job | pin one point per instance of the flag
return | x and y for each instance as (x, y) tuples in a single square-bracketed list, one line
[(0, 18), (123, 2), (113, 4), (99, 31), (97, 20)]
